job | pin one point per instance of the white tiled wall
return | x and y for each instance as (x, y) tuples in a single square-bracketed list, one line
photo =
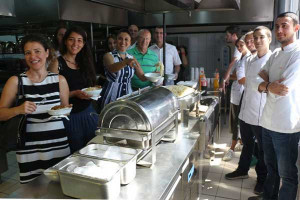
[(204, 50)]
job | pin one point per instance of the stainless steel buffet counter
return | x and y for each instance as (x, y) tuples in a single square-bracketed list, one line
[(175, 170)]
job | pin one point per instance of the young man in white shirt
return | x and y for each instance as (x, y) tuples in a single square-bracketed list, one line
[(133, 30), (173, 61), (232, 34), (250, 113), (281, 114)]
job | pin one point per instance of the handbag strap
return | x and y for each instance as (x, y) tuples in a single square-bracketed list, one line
[(20, 90)]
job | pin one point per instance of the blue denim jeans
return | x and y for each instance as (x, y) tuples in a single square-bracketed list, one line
[(248, 134), (81, 128), (281, 153)]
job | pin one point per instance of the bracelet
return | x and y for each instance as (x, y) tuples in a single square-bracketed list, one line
[(267, 86)]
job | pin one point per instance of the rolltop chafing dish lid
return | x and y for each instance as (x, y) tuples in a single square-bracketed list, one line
[(143, 113), (187, 100)]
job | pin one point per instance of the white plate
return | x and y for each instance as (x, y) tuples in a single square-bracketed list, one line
[(153, 77), (93, 93), (63, 111)]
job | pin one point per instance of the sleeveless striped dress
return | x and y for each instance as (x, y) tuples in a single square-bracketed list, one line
[(46, 142), (118, 83)]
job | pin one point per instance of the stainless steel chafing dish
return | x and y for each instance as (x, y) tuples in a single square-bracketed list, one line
[(141, 120), (187, 102)]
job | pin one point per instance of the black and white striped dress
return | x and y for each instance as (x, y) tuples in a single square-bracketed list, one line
[(118, 83), (46, 141)]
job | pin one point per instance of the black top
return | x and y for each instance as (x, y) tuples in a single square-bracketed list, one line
[(75, 81)]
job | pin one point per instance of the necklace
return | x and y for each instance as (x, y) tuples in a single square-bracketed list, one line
[(74, 63), (122, 53)]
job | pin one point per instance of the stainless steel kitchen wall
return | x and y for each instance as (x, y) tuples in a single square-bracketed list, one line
[(38, 11), (204, 50), (87, 11)]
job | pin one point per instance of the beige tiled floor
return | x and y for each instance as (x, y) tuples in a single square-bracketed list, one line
[(215, 187)]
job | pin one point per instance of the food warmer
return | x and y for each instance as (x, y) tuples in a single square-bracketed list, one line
[(141, 120)]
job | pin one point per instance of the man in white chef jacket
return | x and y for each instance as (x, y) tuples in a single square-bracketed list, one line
[(232, 34), (249, 40), (251, 109), (281, 114), (173, 61)]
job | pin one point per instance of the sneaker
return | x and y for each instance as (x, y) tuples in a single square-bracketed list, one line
[(259, 188), (228, 156), (256, 198), (236, 175), (238, 147)]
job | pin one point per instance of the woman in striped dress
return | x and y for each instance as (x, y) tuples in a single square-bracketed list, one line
[(46, 142), (119, 69)]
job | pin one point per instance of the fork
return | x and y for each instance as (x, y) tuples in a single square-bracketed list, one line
[(41, 102)]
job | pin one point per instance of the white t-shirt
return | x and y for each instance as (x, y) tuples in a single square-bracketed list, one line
[(236, 88), (282, 113), (253, 101), (172, 57)]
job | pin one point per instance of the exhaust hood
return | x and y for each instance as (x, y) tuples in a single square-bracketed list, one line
[(206, 4), (250, 12), (7, 8)]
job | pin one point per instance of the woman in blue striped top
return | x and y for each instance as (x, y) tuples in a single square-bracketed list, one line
[(119, 70), (46, 141)]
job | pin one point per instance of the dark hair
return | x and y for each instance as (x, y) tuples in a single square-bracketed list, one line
[(234, 30), (114, 37), (292, 15), (84, 58), (160, 26), (55, 41), (123, 30), (39, 39)]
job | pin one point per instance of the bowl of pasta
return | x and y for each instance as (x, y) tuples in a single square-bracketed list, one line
[(93, 91), (60, 110)]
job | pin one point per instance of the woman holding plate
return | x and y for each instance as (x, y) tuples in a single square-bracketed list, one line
[(77, 66), (119, 70), (46, 141)]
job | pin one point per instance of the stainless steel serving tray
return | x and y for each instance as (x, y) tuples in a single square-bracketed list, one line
[(87, 187), (123, 156)]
